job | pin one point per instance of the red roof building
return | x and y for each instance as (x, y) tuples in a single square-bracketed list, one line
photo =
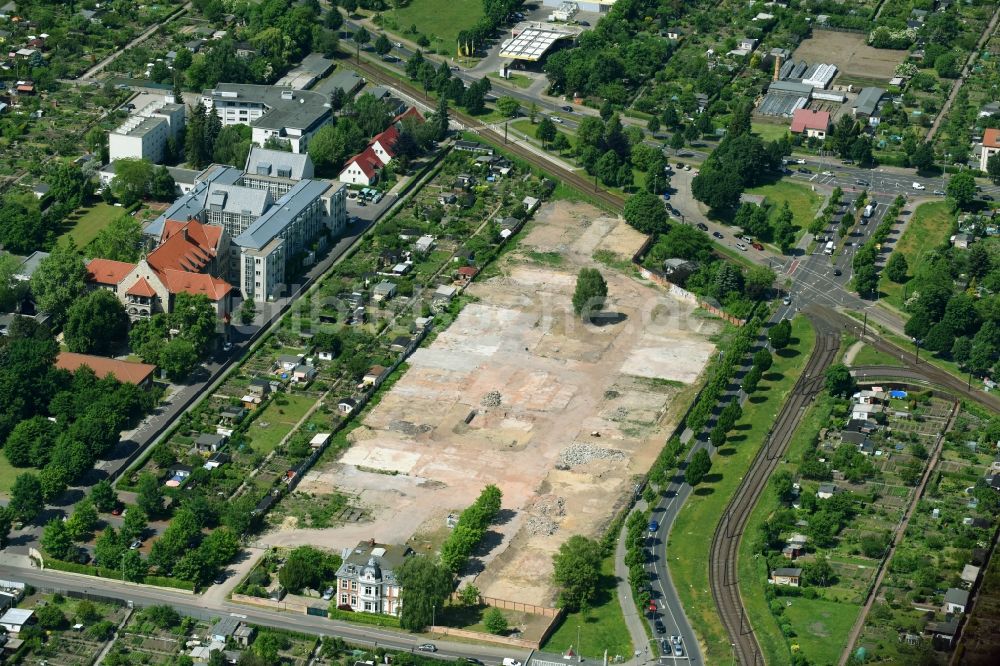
[(991, 146), (810, 123), (409, 113), (362, 169), (140, 374), (108, 273)]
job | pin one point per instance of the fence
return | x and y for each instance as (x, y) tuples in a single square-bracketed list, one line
[(488, 638), (294, 606)]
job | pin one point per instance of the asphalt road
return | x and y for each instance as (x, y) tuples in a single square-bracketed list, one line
[(198, 607)]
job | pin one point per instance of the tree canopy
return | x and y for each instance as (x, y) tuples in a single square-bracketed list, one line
[(577, 571), (591, 291)]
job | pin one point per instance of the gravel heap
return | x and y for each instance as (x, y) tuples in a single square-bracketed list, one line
[(580, 454), (620, 414), (544, 513), (491, 399)]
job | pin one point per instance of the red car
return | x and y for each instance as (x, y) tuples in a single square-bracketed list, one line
[(757, 246), (117, 511)]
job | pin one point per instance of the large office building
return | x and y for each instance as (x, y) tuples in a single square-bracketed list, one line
[(272, 210), (145, 134), (271, 112)]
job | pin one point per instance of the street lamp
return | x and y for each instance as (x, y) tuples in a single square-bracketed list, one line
[(579, 651), (732, 647)]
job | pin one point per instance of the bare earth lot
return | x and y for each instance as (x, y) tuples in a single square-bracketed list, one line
[(852, 56), (582, 410)]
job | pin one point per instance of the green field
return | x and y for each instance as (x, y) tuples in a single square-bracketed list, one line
[(516, 80), (691, 536), (600, 628), (822, 627), (439, 20), (86, 221), (280, 419), (801, 199), (7, 475), (870, 356), (769, 131), (928, 229)]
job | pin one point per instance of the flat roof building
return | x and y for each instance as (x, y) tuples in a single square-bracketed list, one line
[(531, 43), (144, 135), (271, 111)]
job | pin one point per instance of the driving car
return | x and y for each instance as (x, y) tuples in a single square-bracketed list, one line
[(939, 193), (557, 119), (703, 226), (717, 234), (398, 45), (473, 660), (653, 525), (427, 647), (567, 108), (837, 272), (827, 173), (800, 161), (741, 246), (787, 300), (862, 183), (918, 186)]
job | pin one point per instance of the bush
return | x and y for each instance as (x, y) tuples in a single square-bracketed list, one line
[(377, 620), (495, 621)]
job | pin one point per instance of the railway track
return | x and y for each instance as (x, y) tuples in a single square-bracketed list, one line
[(570, 178), (724, 554)]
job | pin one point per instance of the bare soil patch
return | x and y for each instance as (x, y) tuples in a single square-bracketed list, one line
[(852, 56), (582, 410)]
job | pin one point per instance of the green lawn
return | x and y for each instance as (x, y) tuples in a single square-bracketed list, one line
[(281, 418), (516, 80), (439, 20), (87, 221), (769, 131), (928, 229), (691, 536), (7, 475), (822, 627), (801, 199), (870, 356), (601, 628)]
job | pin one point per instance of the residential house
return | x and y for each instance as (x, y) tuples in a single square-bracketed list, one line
[(325, 355), (258, 390), (871, 397), (866, 411), (955, 600), (207, 443), (243, 636), (674, 33), (366, 581), (810, 123), (146, 132), (362, 169), (383, 291), (826, 491), (790, 576), (140, 374)]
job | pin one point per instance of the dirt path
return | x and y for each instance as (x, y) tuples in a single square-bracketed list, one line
[(852, 352)]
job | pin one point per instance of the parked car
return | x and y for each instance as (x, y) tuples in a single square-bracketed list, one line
[(746, 239), (787, 300), (717, 234), (227, 346), (837, 272), (804, 170), (117, 511), (556, 119), (585, 24), (827, 173), (741, 246), (757, 246), (398, 45), (328, 594), (427, 647), (135, 545), (862, 183), (800, 161), (703, 226), (939, 193), (987, 197), (658, 625), (567, 108)]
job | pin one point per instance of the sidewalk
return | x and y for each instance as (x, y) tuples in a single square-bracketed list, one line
[(633, 620)]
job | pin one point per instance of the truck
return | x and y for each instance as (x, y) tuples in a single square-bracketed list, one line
[(828, 249), (869, 209)]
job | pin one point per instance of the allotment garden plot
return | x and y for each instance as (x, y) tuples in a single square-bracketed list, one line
[(563, 417)]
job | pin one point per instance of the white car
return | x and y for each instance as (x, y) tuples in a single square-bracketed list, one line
[(398, 45), (741, 246), (827, 173), (557, 119), (918, 186), (800, 161)]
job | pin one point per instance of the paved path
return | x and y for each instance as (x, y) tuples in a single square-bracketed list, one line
[(633, 620), (96, 69)]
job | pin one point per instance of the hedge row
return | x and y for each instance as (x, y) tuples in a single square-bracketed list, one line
[(375, 619), (723, 374), (470, 528), (113, 574)]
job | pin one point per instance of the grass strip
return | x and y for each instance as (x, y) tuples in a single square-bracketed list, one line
[(691, 537)]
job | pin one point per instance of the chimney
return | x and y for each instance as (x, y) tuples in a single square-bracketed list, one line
[(777, 66)]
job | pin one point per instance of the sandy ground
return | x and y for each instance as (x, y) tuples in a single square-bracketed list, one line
[(582, 411), (849, 52)]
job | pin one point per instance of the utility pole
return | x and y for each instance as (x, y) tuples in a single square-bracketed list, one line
[(579, 655), (505, 132), (864, 326)]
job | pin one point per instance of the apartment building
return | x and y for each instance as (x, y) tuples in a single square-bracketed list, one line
[(145, 134), (270, 111)]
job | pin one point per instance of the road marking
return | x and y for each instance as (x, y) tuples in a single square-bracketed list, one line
[(793, 267)]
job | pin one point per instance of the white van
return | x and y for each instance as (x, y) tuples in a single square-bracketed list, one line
[(828, 250)]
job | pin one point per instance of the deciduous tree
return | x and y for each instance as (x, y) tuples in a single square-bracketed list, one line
[(577, 572), (698, 468), (26, 500), (425, 586), (59, 280), (591, 291), (96, 324)]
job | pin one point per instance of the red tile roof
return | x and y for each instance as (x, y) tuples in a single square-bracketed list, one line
[(468, 271), (367, 161), (409, 113), (123, 371), (195, 283), (387, 140), (807, 119), (108, 272), (141, 288), (991, 138), (185, 246)]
